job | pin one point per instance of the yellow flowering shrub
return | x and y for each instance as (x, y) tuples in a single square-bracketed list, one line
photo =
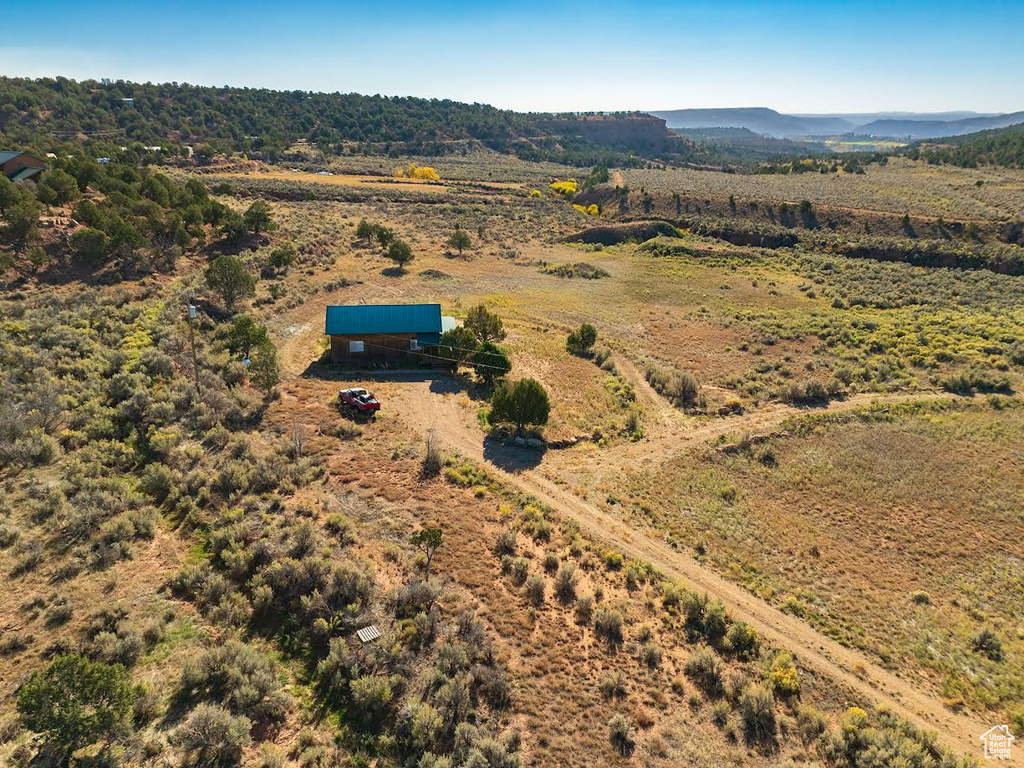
[(564, 187), (425, 172)]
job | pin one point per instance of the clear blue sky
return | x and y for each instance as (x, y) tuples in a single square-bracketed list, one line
[(824, 56)]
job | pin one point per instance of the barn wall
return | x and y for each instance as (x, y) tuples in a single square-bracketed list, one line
[(378, 348), (18, 162)]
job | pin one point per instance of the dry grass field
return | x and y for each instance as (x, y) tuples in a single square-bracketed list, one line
[(901, 186), (376, 183)]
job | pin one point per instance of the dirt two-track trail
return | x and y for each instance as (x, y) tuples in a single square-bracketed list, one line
[(455, 428)]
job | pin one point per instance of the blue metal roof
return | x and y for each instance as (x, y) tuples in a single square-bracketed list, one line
[(368, 319)]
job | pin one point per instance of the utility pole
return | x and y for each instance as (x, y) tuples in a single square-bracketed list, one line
[(192, 339)]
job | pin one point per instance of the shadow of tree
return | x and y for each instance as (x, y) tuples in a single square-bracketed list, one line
[(511, 458)]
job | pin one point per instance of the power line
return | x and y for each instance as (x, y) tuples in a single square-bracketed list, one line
[(472, 350), (417, 353)]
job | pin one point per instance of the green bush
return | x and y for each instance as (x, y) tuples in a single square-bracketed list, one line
[(744, 640), (75, 702), (614, 685), (987, 643), (584, 610), (582, 340), (565, 583), (681, 388), (240, 677)]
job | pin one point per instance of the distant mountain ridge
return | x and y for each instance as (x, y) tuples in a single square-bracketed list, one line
[(758, 119), (924, 129), (889, 124)]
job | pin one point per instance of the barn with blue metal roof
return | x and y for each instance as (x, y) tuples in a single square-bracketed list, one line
[(384, 332), (18, 166)]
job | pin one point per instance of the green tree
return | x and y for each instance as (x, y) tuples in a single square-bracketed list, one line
[(57, 188), (458, 345), (230, 279), (400, 253), (232, 227), (484, 324), (246, 334), (427, 541), (257, 218), (125, 239), (490, 362), (384, 236), (582, 339), (9, 193), (522, 403), (75, 702), (90, 243), (281, 258), (459, 240), (365, 230), (22, 217), (264, 370)]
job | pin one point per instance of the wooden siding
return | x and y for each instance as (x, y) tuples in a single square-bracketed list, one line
[(391, 347), (19, 162)]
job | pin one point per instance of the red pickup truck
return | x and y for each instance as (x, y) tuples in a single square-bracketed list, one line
[(358, 401)]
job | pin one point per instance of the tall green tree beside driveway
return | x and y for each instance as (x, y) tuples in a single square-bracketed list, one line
[(523, 403)]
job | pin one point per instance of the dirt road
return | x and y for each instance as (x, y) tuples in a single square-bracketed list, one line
[(427, 406)]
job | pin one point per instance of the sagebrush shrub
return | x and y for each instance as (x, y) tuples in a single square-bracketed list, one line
[(757, 709), (608, 625), (211, 735), (535, 589), (622, 734), (565, 583), (706, 669)]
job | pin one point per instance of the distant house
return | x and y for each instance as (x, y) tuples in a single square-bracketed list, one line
[(384, 332), (18, 166)]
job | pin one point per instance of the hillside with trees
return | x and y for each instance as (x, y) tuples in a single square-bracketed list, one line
[(182, 120), (1000, 146)]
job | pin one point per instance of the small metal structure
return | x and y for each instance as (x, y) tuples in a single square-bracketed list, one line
[(368, 634)]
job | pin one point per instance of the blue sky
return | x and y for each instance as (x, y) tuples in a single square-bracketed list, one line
[(824, 56)]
